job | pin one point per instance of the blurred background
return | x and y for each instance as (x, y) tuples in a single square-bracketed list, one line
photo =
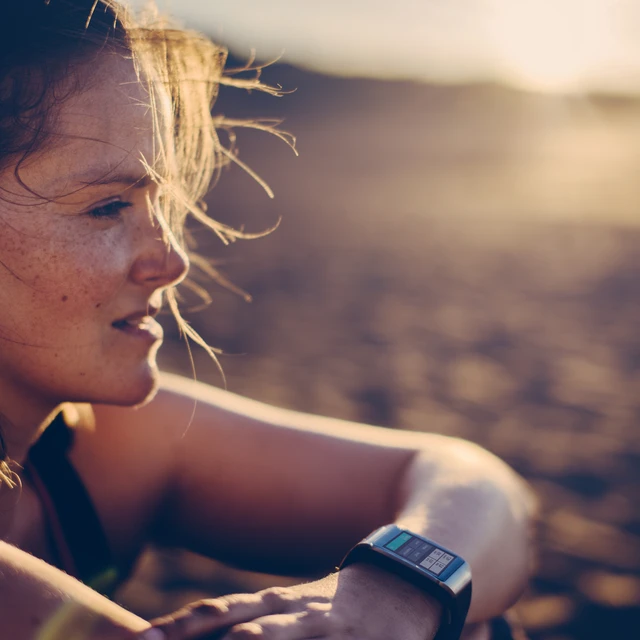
[(459, 252)]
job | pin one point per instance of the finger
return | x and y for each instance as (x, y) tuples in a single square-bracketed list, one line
[(210, 615), (315, 622)]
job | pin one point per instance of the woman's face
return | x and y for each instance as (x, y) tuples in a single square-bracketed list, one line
[(82, 267)]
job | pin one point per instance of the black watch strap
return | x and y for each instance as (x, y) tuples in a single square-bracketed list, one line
[(428, 565)]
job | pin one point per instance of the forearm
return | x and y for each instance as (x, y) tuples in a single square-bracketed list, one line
[(478, 507), (38, 601)]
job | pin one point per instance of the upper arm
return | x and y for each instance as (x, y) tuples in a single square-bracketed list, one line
[(256, 485), (254, 480), (249, 482)]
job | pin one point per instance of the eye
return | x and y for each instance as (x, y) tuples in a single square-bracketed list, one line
[(110, 210)]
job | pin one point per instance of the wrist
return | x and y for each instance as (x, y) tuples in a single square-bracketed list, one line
[(432, 568), (415, 608)]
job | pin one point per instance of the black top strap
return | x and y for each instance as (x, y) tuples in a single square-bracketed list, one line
[(77, 531)]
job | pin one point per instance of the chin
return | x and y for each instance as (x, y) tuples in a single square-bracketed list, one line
[(149, 394), (134, 390), (145, 389)]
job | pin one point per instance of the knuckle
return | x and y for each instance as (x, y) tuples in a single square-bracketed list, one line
[(275, 596), (209, 607), (277, 591), (316, 620), (235, 599), (314, 614), (248, 631), (320, 600)]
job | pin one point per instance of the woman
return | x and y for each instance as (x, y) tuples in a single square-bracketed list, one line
[(106, 143)]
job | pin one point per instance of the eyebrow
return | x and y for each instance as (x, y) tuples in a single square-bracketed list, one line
[(87, 178)]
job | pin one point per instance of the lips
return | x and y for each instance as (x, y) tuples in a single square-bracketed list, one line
[(140, 324)]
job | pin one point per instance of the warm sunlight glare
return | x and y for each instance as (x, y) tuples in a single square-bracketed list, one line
[(551, 45), (572, 46)]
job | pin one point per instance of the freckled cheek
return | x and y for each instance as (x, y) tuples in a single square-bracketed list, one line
[(94, 278), (85, 287), (71, 274)]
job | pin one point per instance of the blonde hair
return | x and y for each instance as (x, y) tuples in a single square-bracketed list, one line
[(176, 65), (189, 69)]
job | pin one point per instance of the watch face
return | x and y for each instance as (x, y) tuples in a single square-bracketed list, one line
[(424, 554)]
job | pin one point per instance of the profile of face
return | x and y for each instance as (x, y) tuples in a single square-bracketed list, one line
[(84, 263)]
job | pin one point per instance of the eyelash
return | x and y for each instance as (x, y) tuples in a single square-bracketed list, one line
[(110, 210)]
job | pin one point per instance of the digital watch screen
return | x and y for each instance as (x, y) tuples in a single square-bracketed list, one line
[(426, 564)]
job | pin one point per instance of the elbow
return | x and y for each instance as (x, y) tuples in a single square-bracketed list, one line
[(478, 506), (511, 488), (510, 511)]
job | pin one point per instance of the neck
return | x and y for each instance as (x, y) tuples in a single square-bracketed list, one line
[(20, 431), (22, 421)]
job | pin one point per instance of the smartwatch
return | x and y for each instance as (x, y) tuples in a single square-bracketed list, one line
[(428, 565)]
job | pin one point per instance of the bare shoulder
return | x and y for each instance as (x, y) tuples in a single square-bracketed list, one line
[(131, 449), (126, 457)]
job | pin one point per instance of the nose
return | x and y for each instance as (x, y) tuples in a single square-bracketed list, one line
[(160, 260)]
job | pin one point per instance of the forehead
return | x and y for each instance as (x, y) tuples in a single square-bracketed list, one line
[(104, 132)]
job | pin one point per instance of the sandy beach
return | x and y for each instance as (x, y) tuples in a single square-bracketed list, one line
[(462, 260)]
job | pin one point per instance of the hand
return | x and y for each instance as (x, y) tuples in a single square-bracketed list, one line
[(361, 602)]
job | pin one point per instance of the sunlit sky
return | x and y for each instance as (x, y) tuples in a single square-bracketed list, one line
[(555, 45)]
